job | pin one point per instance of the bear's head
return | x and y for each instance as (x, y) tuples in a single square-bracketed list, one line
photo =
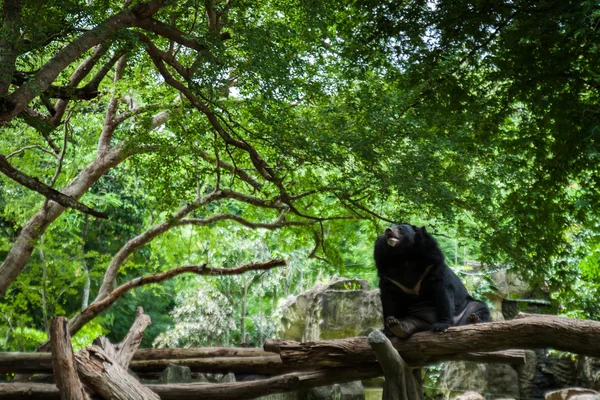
[(401, 237)]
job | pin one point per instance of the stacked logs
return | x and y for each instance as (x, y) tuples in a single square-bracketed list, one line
[(101, 368)]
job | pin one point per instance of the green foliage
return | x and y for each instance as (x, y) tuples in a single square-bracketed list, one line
[(89, 333), (477, 120)]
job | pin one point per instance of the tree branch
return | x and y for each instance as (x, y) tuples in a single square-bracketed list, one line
[(232, 169), (280, 223), (52, 194), (11, 16), (110, 124), (19, 99), (77, 322), (33, 146), (168, 32), (142, 239), (76, 77)]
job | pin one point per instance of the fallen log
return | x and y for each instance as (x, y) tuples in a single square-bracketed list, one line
[(63, 362), (199, 352), (529, 332), (266, 365), (103, 366), (270, 364), (236, 390)]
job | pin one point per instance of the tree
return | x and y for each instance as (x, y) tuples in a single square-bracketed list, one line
[(303, 116), (209, 155)]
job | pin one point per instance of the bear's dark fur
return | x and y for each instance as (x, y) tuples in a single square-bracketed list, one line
[(418, 290)]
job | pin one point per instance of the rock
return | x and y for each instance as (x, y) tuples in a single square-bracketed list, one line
[(589, 371), (176, 374), (502, 380), (461, 376), (573, 394), (280, 396), (469, 396), (352, 391), (527, 373), (332, 392), (216, 378), (509, 284), (340, 309)]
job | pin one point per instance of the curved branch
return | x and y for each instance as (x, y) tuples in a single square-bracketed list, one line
[(144, 238), (33, 146), (162, 29), (77, 322), (232, 169), (280, 223), (52, 194)]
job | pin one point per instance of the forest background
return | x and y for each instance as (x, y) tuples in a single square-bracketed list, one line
[(223, 133)]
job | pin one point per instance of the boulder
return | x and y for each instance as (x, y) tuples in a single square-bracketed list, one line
[(573, 394), (340, 309), (462, 376), (176, 374), (502, 380)]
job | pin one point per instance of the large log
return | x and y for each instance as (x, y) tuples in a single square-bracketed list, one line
[(269, 364), (236, 390), (109, 379), (199, 352), (63, 362), (264, 363), (103, 366), (530, 332)]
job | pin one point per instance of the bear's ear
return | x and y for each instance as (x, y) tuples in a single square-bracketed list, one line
[(422, 229)]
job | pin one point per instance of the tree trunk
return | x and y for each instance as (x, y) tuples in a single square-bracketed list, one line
[(63, 364), (20, 252), (44, 291), (531, 332), (235, 390), (243, 315), (400, 384), (85, 297)]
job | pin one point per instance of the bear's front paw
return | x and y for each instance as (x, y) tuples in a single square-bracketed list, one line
[(440, 327), (473, 319), (391, 321)]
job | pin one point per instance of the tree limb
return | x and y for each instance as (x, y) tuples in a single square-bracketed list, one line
[(540, 331), (77, 322), (110, 125), (33, 146), (77, 76), (19, 99), (142, 239), (52, 194), (280, 223)]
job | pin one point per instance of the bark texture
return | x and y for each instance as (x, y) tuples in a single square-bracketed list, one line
[(531, 332), (63, 363), (107, 378), (400, 384), (213, 359)]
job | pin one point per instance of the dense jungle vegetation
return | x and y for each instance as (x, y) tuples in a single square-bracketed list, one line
[(223, 133)]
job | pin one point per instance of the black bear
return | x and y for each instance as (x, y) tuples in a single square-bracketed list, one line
[(418, 290)]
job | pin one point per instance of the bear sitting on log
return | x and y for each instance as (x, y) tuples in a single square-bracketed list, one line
[(418, 290)]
